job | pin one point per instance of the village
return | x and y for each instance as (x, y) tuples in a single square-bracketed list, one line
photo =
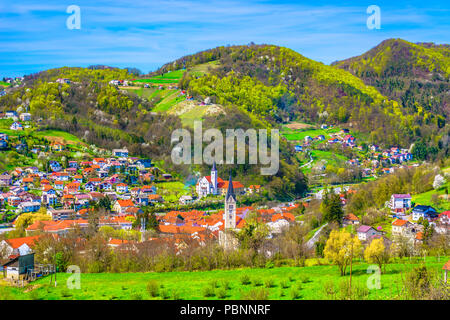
[(64, 194)]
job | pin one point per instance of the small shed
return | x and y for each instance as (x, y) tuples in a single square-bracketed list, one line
[(18, 265)]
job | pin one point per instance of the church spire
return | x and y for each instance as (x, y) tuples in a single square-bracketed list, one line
[(230, 191), (214, 166)]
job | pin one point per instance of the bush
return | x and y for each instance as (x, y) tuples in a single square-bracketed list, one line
[(221, 293), (294, 294), (258, 282), (176, 294), (208, 291), (305, 279), (284, 284), (226, 284), (165, 294), (291, 279), (245, 279), (255, 294), (214, 284), (136, 296), (153, 288), (269, 283)]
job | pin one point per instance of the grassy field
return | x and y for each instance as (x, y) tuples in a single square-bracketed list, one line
[(65, 136), (4, 84), (171, 191), (300, 134), (426, 198), (204, 68), (169, 77), (286, 283)]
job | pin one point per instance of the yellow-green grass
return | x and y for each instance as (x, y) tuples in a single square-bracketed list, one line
[(195, 114), (169, 99), (426, 198), (169, 77), (204, 68), (171, 191), (69, 138), (191, 285), (295, 135)]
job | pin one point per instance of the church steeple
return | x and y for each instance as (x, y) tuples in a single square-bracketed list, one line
[(230, 207), (230, 191), (214, 178)]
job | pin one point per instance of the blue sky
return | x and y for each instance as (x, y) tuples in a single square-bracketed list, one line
[(148, 33)]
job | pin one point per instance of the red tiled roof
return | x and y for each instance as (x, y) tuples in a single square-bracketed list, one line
[(17, 242), (399, 222)]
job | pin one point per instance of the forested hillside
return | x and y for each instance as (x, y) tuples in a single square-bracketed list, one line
[(281, 84), (109, 117), (417, 77)]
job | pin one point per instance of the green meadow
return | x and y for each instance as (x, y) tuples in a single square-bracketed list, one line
[(278, 283), (169, 77)]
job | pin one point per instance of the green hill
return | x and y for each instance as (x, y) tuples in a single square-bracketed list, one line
[(276, 84), (417, 76)]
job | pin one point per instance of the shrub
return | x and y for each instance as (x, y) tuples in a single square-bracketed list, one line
[(245, 279), (294, 294), (153, 288), (208, 291), (305, 279), (269, 283), (176, 294), (221, 293), (165, 294), (256, 294), (214, 284), (226, 284), (258, 282), (291, 279), (136, 296), (284, 284)]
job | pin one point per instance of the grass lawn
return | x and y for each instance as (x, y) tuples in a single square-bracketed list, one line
[(169, 77), (202, 69), (69, 138), (309, 282), (169, 98), (425, 198), (171, 191)]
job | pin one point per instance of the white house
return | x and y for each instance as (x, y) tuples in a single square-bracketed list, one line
[(366, 232), (400, 202), (16, 126)]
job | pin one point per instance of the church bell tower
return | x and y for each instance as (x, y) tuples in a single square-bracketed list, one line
[(230, 207)]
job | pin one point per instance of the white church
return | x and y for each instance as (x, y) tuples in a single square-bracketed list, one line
[(208, 184)]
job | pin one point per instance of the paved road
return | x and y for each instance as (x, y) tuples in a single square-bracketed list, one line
[(315, 237), (310, 156)]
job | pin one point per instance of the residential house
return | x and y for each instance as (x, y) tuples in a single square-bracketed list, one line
[(350, 219), (424, 212), (366, 232), (400, 202), (120, 153), (16, 126), (29, 206), (5, 179), (121, 205)]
